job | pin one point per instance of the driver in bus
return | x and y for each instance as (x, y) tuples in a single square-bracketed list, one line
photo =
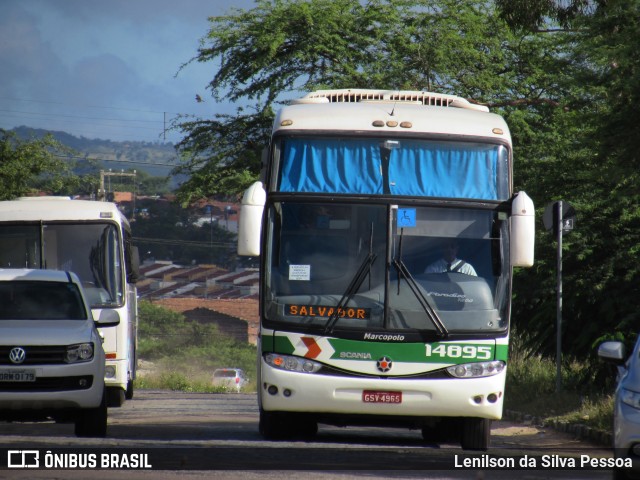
[(450, 261)]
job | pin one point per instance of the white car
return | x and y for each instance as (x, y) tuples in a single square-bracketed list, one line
[(51, 356), (626, 406), (230, 378)]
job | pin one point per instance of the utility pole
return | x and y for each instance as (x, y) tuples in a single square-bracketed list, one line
[(559, 217), (103, 194)]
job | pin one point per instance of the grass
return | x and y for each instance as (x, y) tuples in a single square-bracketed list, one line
[(531, 389), (191, 376)]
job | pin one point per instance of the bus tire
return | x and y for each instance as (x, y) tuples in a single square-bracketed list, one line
[(128, 394), (272, 426), (115, 396), (476, 433)]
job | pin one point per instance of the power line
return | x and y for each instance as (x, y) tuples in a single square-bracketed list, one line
[(50, 102), (156, 164), (58, 115)]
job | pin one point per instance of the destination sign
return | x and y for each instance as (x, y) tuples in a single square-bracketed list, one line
[(326, 311)]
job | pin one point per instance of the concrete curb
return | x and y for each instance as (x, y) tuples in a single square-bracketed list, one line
[(583, 432)]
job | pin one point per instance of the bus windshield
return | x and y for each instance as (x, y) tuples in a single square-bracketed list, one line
[(90, 250), (333, 266)]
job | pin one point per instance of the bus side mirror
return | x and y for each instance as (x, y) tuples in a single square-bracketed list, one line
[(250, 221), (106, 318), (523, 230), (133, 266)]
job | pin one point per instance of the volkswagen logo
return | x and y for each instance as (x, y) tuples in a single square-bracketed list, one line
[(384, 364), (17, 355)]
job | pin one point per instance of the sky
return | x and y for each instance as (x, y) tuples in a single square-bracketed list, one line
[(108, 69)]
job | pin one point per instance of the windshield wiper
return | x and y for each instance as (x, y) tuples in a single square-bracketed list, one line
[(404, 272), (353, 287)]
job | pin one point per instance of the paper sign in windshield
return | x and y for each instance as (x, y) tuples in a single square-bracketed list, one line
[(300, 272)]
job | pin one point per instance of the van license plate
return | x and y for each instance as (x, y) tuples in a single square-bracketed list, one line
[(17, 375), (371, 396)]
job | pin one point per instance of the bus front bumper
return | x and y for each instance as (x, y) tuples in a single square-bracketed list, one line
[(287, 391)]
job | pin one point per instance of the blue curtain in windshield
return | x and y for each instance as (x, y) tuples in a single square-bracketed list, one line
[(446, 170), (416, 168), (331, 166)]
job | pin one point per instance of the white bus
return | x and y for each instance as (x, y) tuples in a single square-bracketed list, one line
[(365, 194), (92, 239)]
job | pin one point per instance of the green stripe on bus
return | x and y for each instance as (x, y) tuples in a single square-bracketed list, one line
[(437, 352), (282, 344), (502, 352)]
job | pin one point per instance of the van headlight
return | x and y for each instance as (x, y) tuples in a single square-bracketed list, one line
[(291, 363), (82, 352), (475, 370)]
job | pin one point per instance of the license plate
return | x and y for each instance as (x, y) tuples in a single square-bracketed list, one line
[(370, 396), (17, 375)]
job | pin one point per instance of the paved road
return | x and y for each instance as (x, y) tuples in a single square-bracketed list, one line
[(189, 435)]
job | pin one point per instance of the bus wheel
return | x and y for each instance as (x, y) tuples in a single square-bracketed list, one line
[(115, 396), (272, 425), (128, 394), (476, 433)]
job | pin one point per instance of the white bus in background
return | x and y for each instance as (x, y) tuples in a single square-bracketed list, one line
[(360, 321), (93, 240)]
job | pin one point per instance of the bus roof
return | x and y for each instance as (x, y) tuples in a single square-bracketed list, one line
[(59, 209), (390, 112)]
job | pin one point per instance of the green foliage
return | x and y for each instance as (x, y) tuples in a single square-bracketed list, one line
[(222, 155), (28, 166), (531, 389), (185, 353)]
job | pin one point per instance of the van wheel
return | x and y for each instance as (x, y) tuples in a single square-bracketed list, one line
[(476, 433), (92, 422)]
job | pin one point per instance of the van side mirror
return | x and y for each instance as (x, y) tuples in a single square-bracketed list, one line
[(523, 231), (250, 221)]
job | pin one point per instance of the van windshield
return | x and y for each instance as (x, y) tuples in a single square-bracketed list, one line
[(26, 300)]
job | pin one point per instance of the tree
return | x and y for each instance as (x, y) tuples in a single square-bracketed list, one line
[(33, 165), (534, 15), (596, 168)]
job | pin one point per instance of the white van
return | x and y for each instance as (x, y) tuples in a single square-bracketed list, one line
[(51, 356), (231, 378)]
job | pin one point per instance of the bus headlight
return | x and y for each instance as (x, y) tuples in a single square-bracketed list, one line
[(291, 363), (475, 370), (82, 352)]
